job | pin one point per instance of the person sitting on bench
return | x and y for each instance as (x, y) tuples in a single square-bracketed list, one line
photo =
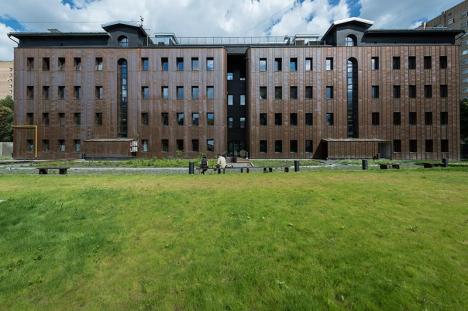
[(221, 163)]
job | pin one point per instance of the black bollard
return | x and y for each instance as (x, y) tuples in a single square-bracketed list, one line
[(286, 169), (248, 170), (444, 162), (264, 169), (242, 170), (270, 169), (365, 164), (296, 165), (191, 168), (219, 170)]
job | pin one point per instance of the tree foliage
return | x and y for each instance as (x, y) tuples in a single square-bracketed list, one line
[(6, 119)]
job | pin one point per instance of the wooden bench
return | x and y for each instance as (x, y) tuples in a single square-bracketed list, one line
[(45, 170), (384, 166)]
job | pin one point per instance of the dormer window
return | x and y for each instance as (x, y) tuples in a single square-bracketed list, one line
[(351, 40), (123, 42)]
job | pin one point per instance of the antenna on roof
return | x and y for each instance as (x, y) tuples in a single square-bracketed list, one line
[(141, 21)]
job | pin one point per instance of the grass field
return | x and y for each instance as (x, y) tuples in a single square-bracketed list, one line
[(395, 240)]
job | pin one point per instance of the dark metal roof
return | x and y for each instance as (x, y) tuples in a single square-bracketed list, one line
[(58, 34), (415, 31)]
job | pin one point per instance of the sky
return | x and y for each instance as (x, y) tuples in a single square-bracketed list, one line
[(210, 17)]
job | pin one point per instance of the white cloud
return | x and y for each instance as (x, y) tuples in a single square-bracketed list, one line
[(6, 45)]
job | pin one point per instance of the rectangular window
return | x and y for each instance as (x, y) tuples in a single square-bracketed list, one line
[(210, 118), (165, 118), (195, 64), (308, 92), (413, 145), (427, 62), (329, 118), (61, 92), (210, 144), (61, 145), (396, 62), (308, 146), (30, 92), (444, 145), (293, 64), (242, 122), (444, 118), (278, 119), (443, 62), (278, 64), (180, 116), (263, 92), (210, 64), (411, 62), (144, 118), (329, 92), (77, 63), (98, 118), (230, 100), (99, 65), (99, 92), (45, 145), (45, 64), (329, 63), (195, 145), (309, 120), (61, 63), (30, 118), (293, 92), (242, 100), (412, 118), (30, 63), (262, 65), (45, 119), (144, 145), (396, 145), (180, 144), (165, 145), (293, 146), (144, 64), (428, 118), (77, 118), (375, 91), (263, 119), (145, 92), (164, 64), (61, 119), (278, 92), (263, 146), (45, 92), (429, 145), (180, 63), (396, 91), (210, 92), (230, 122), (375, 118), (375, 63), (293, 119), (412, 91), (195, 92), (397, 118), (77, 92), (308, 64), (428, 91), (195, 118), (443, 91), (180, 92), (164, 92), (278, 146)]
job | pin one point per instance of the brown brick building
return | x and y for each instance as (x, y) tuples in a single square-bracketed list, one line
[(356, 93)]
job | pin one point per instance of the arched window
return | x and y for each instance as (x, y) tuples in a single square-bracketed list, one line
[(123, 41), (351, 40)]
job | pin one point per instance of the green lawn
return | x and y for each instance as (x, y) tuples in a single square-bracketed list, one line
[(392, 240)]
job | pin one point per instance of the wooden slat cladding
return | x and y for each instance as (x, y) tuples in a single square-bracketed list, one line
[(87, 106), (385, 77)]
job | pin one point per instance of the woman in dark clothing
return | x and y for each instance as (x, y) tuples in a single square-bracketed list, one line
[(203, 165)]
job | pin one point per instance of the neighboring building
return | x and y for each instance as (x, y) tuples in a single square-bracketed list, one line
[(456, 18), (6, 79), (354, 93)]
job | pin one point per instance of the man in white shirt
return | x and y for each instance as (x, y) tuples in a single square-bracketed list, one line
[(221, 162)]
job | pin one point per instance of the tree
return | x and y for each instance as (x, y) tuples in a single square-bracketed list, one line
[(6, 119), (464, 120)]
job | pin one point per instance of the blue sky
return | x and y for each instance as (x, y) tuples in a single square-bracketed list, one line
[(210, 17)]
